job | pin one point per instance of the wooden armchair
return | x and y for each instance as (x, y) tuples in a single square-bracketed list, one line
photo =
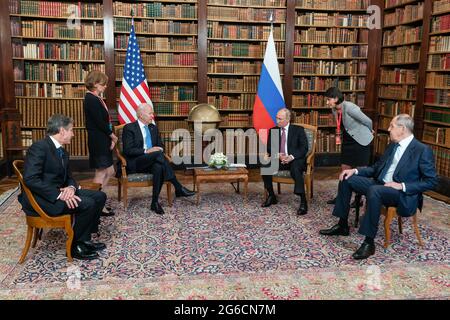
[(284, 176), (126, 180), (36, 224)]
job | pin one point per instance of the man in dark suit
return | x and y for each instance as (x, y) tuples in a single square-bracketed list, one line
[(291, 155), (144, 151), (398, 179), (47, 175)]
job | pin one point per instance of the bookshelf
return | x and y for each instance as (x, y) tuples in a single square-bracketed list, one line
[(54, 46), (398, 82), (330, 49), (436, 129), (167, 33)]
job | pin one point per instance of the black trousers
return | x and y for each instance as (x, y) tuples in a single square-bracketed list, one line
[(86, 217), (296, 168), (156, 164), (377, 195)]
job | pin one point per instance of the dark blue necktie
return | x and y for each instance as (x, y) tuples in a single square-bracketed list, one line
[(388, 163), (60, 152), (148, 138)]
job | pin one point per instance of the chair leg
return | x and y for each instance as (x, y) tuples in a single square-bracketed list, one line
[(27, 244), (387, 228), (125, 195), (119, 191), (35, 237), (69, 241), (169, 194), (308, 186), (278, 187), (400, 225), (416, 230)]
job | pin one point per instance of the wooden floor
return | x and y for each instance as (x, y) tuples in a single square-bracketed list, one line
[(322, 173)]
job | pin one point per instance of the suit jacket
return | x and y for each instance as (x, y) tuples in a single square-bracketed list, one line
[(297, 143), (415, 169), (133, 142), (44, 173), (357, 124)]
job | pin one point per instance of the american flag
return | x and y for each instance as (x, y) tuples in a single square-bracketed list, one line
[(134, 89)]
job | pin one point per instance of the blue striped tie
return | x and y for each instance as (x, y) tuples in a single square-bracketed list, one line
[(148, 138)]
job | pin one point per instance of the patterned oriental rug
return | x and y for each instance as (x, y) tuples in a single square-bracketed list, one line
[(224, 249)]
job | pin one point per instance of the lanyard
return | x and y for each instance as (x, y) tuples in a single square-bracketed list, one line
[(103, 104), (338, 122)]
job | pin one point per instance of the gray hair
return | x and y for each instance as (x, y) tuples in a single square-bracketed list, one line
[(406, 121), (56, 122), (142, 106), (287, 112)]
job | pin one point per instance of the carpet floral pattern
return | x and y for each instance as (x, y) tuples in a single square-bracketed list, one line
[(225, 249)]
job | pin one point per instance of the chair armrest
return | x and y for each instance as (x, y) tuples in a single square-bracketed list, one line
[(123, 162), (169, 158), (310, 162)]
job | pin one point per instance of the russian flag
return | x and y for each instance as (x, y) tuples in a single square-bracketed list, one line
[(269, 98)]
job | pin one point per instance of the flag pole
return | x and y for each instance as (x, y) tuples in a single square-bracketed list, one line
[(132, 16)]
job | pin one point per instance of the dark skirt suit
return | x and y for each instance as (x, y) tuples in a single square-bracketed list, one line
[(99, 130)]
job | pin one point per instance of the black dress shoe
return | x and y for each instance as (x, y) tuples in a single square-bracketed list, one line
[(157, 208), (365, 251), (108, 213), (183, 192), (270, 201), (335, 230), (303, 209), (95, 246), (332, 201), (82, 252)]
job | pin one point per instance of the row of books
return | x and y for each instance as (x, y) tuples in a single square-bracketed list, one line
[(332, 4), (246, 14), (441, 5), (384, 123), (57, 30), (398, 75), (437, 96), (438, 135), (326, 142), (35, 112), (169, 108), (246, 84), (439, 44), (332, 20), (315, 118), (335, 35), (223, 30), (398, 91), (59, 51), (158, 43), (440, 23), (156, 27), (259, 3), (73, 72), (56, 9), (236, 67), (319, 100), (236, 120), (310, 51), (436, 114), (164, 93), (330, 67), (406, 54), (439, 61), (401, 35), (438, 80), (319, 83), (393, 108), (169, 126), (238, 49), (394, 3), (49, 90), (162, 59), (381, 142), (155, 10), (164, 73), (404, 15), (223, 102), (442, 160)]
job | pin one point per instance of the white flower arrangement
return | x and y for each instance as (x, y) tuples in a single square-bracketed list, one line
[(218, 160)]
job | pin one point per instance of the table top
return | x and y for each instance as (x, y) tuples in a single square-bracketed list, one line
[(213, 172)]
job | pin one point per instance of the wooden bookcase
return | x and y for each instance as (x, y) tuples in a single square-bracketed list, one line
[(436, 130), (52, 51), (330, 49), (399, 85)]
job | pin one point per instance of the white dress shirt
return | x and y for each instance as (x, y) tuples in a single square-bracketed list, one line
[(403, 144)]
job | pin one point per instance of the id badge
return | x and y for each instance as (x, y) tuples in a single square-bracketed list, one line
[(338, 139)]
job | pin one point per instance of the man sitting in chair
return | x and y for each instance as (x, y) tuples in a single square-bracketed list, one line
[(398, 179), (47, 175), (144, 151), (291, 156)]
